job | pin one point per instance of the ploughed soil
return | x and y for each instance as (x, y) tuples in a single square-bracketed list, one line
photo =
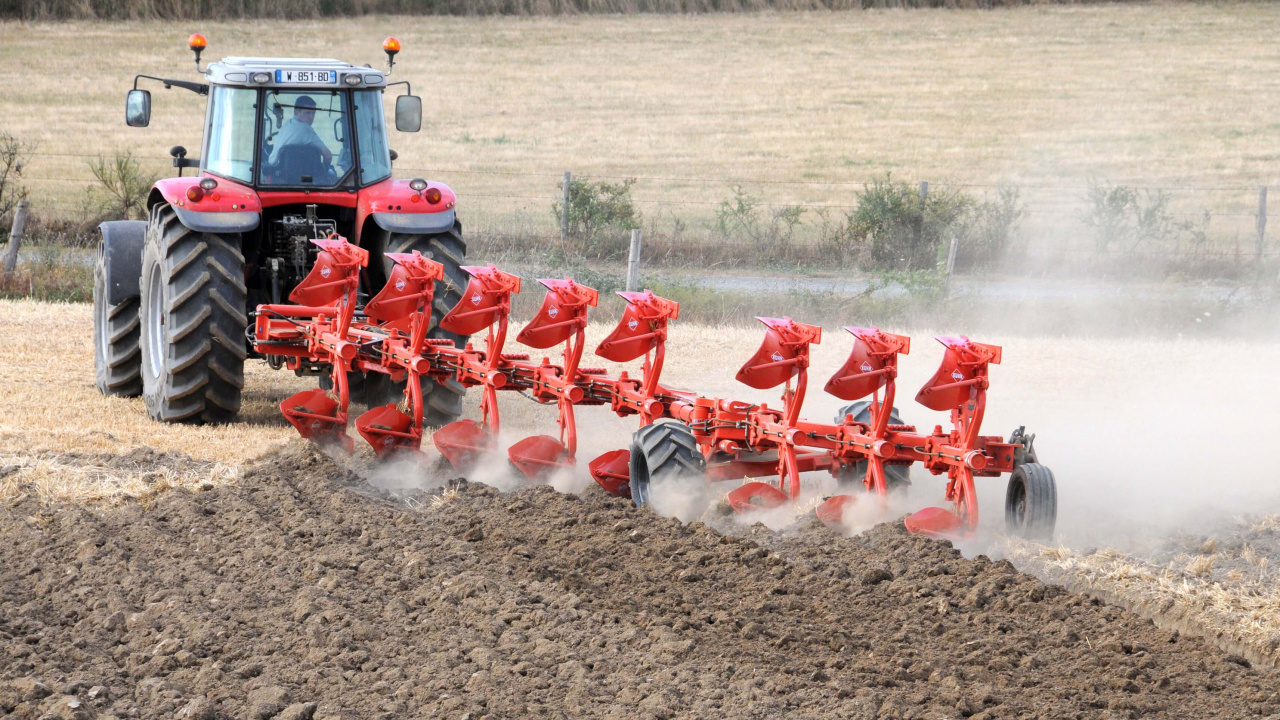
[(303, 593)]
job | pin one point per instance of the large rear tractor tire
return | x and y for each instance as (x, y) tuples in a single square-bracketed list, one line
[(192, 322), (442, 401), (665, 450), (117, 355), (1031, 502), (852, 478)]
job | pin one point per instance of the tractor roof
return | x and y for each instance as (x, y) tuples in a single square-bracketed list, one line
[(293, 72)]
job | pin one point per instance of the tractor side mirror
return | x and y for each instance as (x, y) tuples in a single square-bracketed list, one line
[(137, 108), (408, 113)]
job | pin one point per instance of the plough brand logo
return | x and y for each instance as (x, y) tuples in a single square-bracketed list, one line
[(400, 284), (777, 356), (475, 299), (632, 324), (554, 311), (866, 366), (955, 375), (324, 271)]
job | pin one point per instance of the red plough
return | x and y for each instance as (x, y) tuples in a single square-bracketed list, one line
[(681, 433)]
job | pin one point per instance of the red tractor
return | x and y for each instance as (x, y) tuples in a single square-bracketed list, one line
[(294, 149)]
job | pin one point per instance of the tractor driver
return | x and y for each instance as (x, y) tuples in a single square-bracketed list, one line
[(297, 131)]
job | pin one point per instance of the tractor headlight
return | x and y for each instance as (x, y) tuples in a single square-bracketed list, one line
[(262, 78), (418, 184), (208, 184), (351, 79)]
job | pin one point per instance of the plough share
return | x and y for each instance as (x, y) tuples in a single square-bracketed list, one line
[(681, 433)]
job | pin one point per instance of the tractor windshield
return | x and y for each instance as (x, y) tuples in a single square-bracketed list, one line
[(307, 139)]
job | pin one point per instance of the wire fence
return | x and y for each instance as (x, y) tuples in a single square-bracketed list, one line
[(1216, 221)]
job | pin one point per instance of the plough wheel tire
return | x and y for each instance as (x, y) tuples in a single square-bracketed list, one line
[(1031, 502), (665, 450), (355, 388), (192, 322), (442, 401), (117, 356), (896, 477)]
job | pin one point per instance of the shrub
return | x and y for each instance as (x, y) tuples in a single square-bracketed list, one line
[(13, 154), (122, 188), (992, 229), (742, 217), (836, 242), (600, 213), (1121, 218), (893, 228)]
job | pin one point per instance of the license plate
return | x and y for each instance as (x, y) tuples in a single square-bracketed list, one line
[(307, 77)]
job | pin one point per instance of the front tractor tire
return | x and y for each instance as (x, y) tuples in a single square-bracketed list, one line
[(442, 401), (192, 322)]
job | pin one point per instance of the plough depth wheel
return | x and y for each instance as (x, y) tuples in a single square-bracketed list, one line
[(852, 478), (1031, 502), (663, 451)]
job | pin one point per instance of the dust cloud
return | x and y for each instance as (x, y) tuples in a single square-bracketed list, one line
[(1146, 437)]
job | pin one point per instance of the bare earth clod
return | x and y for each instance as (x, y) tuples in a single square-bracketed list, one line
[(290, 594)]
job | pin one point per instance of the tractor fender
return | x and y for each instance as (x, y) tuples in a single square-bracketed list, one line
[(396, 207), (415, 223), (229, 208), (221, 223), (121, 254)]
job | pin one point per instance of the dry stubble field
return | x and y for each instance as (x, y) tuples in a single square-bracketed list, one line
[(1166, 95), (1186, 537)]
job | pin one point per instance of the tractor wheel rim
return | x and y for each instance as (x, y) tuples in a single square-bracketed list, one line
[(100, 307), (155, 320)]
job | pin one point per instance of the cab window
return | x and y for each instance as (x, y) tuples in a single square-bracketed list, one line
[(306, 139), (371, 136), (229, 144)]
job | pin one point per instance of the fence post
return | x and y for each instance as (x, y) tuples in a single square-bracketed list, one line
[(924, 197), (564, 208), (1262, 220), (951, 258), (15, 237), (633, 262)]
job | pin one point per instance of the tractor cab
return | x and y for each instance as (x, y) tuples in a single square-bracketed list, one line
[(291, 123), (302, 124)]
